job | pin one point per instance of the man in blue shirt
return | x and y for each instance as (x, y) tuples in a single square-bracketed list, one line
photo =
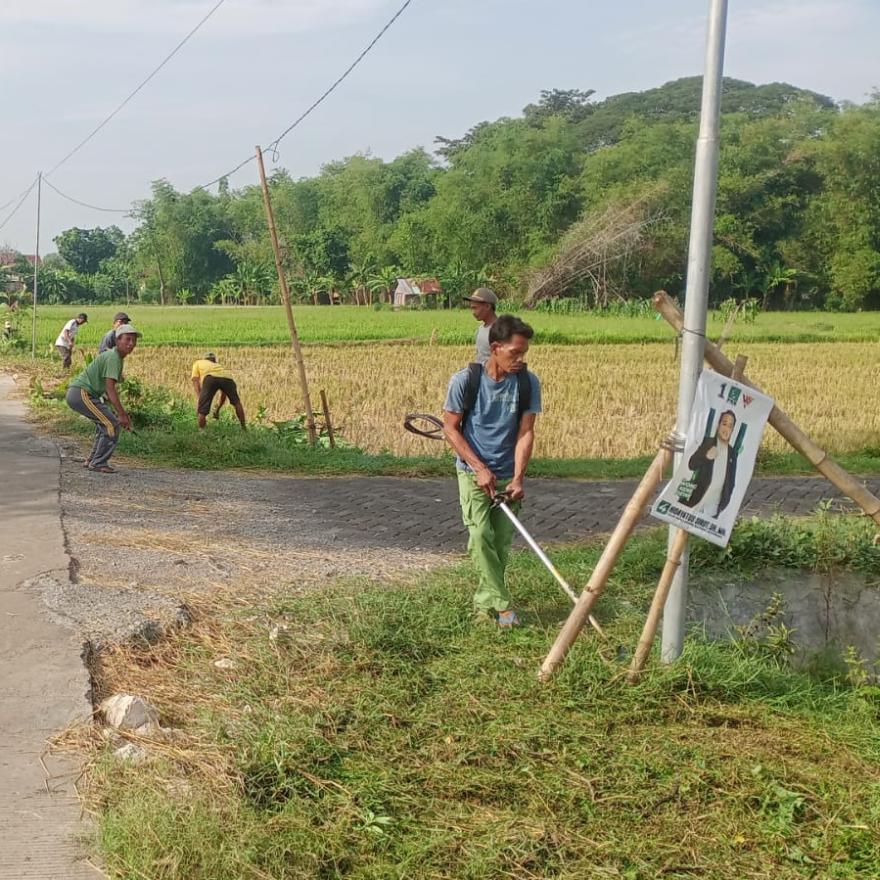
[(493, 441)]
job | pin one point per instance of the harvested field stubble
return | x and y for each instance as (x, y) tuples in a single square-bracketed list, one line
[(599, 401)]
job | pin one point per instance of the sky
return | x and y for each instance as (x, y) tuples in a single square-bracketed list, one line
[(255, 65)]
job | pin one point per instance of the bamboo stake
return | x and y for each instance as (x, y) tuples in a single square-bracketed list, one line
[(802, 442), (673, 561), (326, 407), (599, 578), (285, 296)]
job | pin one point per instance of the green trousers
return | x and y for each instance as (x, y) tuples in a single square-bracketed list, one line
[(491, 534)]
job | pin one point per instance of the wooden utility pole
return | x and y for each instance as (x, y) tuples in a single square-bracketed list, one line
[(285, 296)]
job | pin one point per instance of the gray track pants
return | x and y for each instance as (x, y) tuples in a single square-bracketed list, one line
[(106, 424)]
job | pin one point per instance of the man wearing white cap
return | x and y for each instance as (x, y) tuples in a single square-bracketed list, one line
[(483, 301), (85, 393)]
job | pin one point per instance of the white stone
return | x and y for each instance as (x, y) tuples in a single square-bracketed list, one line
[(131, 752), (129, 712), (225, 663)]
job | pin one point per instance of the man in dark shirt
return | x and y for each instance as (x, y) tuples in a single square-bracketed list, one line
[(109, 340)]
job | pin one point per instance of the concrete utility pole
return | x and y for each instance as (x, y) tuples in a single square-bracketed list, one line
[(36, 269), (697, 289)]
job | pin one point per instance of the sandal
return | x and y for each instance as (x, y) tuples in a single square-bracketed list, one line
[(508, 619), (104, 469)]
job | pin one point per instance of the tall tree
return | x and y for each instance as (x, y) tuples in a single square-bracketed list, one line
[(85, 249)]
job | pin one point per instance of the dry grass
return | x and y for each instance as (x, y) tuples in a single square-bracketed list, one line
[(600, 401)]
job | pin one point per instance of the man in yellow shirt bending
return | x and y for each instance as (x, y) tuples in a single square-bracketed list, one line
[(208, 377)]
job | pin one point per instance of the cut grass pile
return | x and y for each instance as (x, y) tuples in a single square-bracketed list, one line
[(211, 326), (382, 734)]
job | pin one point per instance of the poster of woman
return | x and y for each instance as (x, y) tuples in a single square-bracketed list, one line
[(707, 489)]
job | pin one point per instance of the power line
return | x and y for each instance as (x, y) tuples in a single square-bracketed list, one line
[(274, 144), (15, 198), (24, 195), (85, 204), (164, 61), (339, 81)]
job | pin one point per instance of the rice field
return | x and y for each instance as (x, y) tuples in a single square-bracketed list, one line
[(211, 326), (608, 401)]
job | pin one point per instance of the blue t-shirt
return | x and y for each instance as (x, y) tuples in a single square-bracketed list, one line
[(492, 425)]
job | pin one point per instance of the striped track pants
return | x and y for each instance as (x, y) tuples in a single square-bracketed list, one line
[(106, 424)]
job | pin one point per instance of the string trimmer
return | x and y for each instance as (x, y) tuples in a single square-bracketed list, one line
[(426, 425)]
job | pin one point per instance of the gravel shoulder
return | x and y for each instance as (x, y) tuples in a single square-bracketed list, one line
[(145, 542)]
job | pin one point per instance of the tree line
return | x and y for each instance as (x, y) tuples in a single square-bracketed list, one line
[(572, 199)]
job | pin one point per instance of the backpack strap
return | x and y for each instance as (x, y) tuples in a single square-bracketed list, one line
[(524, 392), (471, 389)]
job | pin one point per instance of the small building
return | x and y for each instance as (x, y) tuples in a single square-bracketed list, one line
[(409, 291), (12, 280)]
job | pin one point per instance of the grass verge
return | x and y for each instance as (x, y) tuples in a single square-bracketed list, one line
[(381, 734)]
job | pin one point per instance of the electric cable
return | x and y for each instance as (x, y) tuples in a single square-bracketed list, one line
[(164, 61), (85, 204), (24, 195), (339, 81), (273, 146), (4, 206)]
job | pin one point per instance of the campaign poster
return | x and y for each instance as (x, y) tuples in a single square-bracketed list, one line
[(708, 487)]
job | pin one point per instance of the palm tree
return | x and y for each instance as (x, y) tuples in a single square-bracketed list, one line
[(777, 274), (227, 289), (299, 289), (328, 284), (313, 284), (384, 281), (52, 285), (359, 280)]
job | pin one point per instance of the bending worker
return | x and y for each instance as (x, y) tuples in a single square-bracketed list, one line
[(208, 377), (489, 420), (85, 393), (67, 338)]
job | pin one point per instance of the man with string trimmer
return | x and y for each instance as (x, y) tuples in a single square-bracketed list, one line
[(489, 420)]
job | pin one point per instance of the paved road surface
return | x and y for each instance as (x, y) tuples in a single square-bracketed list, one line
[(408, 514), (43, 683)]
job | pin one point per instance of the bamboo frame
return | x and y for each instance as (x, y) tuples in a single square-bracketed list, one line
[(655, 613), (326, 407), (673, 561), (580, 614), (799, 440)]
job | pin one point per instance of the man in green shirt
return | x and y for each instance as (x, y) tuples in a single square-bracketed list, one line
[(85, 393)]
